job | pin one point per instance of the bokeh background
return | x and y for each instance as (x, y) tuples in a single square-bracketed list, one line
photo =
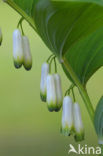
[(26, 126)]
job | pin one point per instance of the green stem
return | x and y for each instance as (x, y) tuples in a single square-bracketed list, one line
[(81, 88), (73, 95), (68, 90), (20, 21), (51, 63), (20, 24), (49, 58), (22, 29), (55, 64)]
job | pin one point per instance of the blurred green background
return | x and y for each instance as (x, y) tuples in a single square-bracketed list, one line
[(26, 126)]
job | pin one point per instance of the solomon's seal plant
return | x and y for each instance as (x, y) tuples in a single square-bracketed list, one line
[(73, 31)]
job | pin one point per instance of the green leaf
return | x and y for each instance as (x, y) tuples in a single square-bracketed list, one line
[(71, 29), (87, 56), (98, 120), (25, 5)]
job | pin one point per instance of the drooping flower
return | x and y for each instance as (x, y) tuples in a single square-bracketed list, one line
[(51, 93), (0, 36), (79, 129), (43, 83), (17, 48), (58, 91), (27, 53), (67, 117)]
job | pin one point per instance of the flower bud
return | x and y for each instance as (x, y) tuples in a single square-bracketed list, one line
[(43, 83), (58, 91), (67, 116), (79, 129), (0, 36), (17, 48), (27, 53), (51, 93)]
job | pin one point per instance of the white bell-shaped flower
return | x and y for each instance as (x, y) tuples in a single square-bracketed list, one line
[(27, 53), (17, 48), (67, 116), (43, 83), (0, 36), (79, 129), (58, 91), (51, 93)]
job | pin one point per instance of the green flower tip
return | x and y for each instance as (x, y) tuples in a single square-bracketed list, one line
[(0, 37), (28, 66), (66, 131), (18, 62), (79, 137), (58, 108), (17, 65), (0, 41), (43, 97), (51, 108)]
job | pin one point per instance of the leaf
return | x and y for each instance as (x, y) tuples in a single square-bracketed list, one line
[(72, 29), (98, 120), (87, 56), (25, 5)]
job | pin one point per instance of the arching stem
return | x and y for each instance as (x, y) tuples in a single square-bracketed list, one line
[(22, 13), (81, 88)]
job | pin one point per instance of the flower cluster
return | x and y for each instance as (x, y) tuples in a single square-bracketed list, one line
[(71, 119), (21, 50), (50, 88), (51, 92)]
